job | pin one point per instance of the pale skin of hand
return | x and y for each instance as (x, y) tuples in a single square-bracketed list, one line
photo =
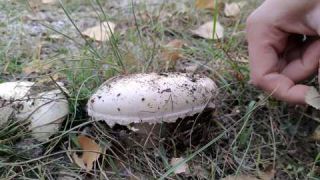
[(279, 60)]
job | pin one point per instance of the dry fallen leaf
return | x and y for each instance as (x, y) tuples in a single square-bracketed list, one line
[(206, 30), (313, 98), (48, 1), (91, 153), (316, 134), (269, 175), (37, 66), (182, 168), (101, 32), (205, 4), (172, 50), (233, 9), (48, 79)]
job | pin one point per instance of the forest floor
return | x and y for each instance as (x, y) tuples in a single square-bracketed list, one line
[(248, 133)]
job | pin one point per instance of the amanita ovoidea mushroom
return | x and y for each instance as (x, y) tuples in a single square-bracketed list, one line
[(151, 98), (44, 108)]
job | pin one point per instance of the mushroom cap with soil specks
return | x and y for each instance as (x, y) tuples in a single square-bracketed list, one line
[(151, 98)]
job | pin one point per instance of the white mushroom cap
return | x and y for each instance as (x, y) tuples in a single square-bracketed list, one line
[(15, 90), (11, 91), (45, 110), (150, 98)]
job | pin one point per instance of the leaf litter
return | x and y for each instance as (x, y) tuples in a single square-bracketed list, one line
[(90, 154), (233, 9), (209, 7), (101, 32), (172, 50), (205, 4), (313, 98), (210, 30), (181, 168)]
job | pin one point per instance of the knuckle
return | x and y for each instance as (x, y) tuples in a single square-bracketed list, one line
[(251, 24)]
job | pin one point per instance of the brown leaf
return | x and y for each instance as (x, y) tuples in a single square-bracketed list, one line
[(172, 50), (101, 32), (47, 79), (267, 175), (36, 66), (91, 153), (205, 4), (206, 30)]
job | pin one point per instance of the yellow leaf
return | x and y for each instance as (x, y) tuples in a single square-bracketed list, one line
[(101, 32), (205, 4), (91, 153), (172, 50), (207, 30)]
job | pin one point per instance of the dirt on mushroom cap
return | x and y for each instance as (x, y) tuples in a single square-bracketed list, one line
[(151, 98)]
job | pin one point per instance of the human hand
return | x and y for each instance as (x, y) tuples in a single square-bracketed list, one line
[(279, 57)]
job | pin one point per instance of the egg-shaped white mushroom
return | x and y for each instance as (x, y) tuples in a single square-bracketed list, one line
[(10, 93), (151, 98), (15, 90), (44, 109)]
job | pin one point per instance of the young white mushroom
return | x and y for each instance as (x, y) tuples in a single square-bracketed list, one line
[(25, 101), (151, 98), (8, 92)]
